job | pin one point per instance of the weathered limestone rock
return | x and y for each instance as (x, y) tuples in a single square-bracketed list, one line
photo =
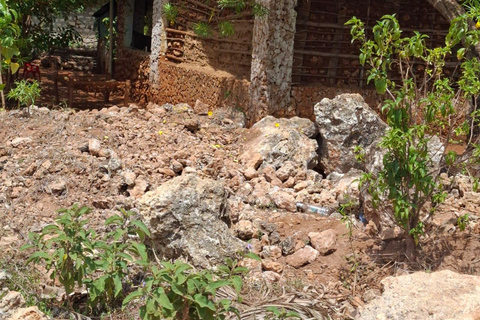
[(423, 296), (302, 257), (345, 122), (324, 242), (188, 217), (279, 141), (30, 313)]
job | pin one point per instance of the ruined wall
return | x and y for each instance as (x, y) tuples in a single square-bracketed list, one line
[(271, 77), (185, 84), (83, 23)]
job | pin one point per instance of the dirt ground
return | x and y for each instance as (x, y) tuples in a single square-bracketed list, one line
[(49, 170)]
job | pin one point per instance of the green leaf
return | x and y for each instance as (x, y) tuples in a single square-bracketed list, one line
[(132, 296), (113, 219), (237, 283), (253, 256), (14, 67), (381, 85), (141, 226), (118, 285)]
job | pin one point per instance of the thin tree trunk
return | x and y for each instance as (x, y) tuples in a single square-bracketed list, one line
[(2, 93)]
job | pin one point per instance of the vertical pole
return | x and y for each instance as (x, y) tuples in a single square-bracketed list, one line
[(110, 49)]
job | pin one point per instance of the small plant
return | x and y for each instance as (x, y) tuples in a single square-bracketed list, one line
[(171, 12), (280, 314), (26, 93), (462, 222), (203, 29), (226, 29), (176, 291), (79, 257)]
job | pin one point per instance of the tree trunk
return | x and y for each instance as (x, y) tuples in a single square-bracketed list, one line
[(2, 93)]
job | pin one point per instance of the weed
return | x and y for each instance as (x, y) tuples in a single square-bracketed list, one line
[(26, 93)]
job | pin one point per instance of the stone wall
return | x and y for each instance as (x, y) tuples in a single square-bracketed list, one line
[(83, 23)]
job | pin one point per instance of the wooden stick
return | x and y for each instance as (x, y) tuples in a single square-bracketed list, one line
[(126, 96)]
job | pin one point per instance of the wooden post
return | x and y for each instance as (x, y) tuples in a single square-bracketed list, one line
[(70, 92), (126, 97), (55, 87)]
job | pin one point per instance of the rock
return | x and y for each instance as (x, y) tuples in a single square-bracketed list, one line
[(30, 313), (188, 217), (201, 108), (250, 173), (114, 164), (281, 140), (345, 122), (270, 176), (57, 187), (289, 183), (324, 242), (13, 300), (288, 246), (252, 159), (271, 277), (177, 167), (302, 185), (284, 200), (94, 147), (20, 141), (272, 252), (129, 178), (426, 296), (191, 124), (270, 265), (389, 233), (302, 257), (286, 171), (139, 189), (245, 230)]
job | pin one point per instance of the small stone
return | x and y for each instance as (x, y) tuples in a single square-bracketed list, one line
[(302, 185), (270, 176), (284, 200), (245, 229), (20, 141), (288, 246), (30, 313), (192, 125), (177, 167), (391, 233), (129, 178), (286, 171), (140, 188), (201, 108), (324, 242), (253, 160), (250, 173), (272, 252), (12, 300), (371, 228), (167, 172), (189, 170), (302, 257), (114, 164), (94, 147), (57, 187), (270, 276), (289, 183), (270, 265)]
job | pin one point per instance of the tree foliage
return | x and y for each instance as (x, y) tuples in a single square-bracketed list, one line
[(421, 103)]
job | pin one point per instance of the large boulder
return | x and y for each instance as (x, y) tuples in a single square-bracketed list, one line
[(345, 122), (276, 141), (188, 217), (423, 296)]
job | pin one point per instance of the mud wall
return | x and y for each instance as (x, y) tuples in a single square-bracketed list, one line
[(323, 49), (185, 84)]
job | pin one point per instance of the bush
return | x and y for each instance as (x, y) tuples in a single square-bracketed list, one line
[(26, 93), (415, 107)]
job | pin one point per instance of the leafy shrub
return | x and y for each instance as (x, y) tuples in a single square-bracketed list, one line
[(175, 291), (25, 92), (414, 107), (78, 256)]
